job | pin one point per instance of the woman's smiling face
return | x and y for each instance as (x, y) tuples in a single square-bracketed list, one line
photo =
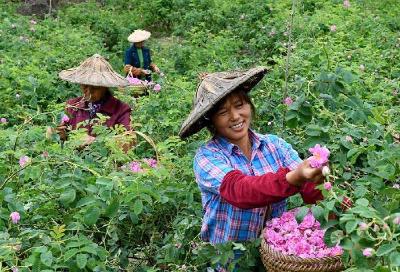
[(232, 119)]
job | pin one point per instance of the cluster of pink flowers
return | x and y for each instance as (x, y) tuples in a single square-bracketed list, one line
[(3, 120), (137, 82), (305, 240), (136, 166), (346, 4), (320, 156), (15, 217)]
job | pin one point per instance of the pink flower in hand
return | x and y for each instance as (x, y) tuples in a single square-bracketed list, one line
[(288, 101), (15, 217), (327, 186), (65, 119), (320, 156), (157, 87), (368, 252)]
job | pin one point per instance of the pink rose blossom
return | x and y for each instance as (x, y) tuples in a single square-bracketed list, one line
[(320, 156), (157, 87), (327, 186), (65, 119), (151, 162), (135, 167), (3, 120), (24, 160), (363, 226), (333, 28), (288, 101), (15, 217), (396, 220), (368, 252), (346, 3)]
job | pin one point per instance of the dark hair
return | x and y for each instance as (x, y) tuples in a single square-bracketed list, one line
[(243, 95)]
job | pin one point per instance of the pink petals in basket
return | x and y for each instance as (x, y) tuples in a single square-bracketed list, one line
[(305, 240)]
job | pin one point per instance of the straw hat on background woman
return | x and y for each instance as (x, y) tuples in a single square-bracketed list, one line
[(95, 76)]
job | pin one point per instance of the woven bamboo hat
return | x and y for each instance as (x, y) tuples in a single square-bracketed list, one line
[(212, 89), (139, 35), (95, 71)]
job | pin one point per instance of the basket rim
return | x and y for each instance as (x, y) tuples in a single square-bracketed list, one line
[(277, 254)]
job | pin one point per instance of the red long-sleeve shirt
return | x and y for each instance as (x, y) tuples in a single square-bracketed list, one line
[(248, 192)]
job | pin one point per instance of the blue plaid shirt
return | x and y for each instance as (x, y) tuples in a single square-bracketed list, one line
[(223, 222)]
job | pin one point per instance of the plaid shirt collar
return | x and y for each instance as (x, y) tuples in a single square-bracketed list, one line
[(256, 142)]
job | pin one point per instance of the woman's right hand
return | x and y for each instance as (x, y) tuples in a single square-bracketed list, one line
[(62, 132), (304, 172)]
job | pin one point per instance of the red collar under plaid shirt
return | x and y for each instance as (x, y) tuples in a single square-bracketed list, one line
[(223, 222)]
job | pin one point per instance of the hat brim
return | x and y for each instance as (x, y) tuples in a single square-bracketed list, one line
[(196, 121), (139, 37), (104, 79)]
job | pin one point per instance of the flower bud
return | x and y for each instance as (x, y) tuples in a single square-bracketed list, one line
[(368, 252), (326, 171), (327, 186)]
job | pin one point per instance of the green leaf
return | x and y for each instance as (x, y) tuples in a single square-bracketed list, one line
[(395, 259), (85, 201), (91, 216), (138, 207), (301, 213), (70, 253), (350, 226), (386, 249), (81, 260), (362, 202), (112, 209), (46, 258), (318, 212), (68, 196)]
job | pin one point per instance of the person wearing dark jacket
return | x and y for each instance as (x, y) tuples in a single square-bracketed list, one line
[(138, 61)]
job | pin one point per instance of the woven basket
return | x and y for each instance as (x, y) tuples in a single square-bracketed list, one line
[(136, 91), (275, 261)]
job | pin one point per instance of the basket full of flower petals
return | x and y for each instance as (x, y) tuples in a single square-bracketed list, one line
[(139, 87), (291, 246)]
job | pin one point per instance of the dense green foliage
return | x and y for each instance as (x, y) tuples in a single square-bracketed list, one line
[(80, 211)]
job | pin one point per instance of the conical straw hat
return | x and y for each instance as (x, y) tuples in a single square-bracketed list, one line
[(139, 35), (95, 71), (212, 89)]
